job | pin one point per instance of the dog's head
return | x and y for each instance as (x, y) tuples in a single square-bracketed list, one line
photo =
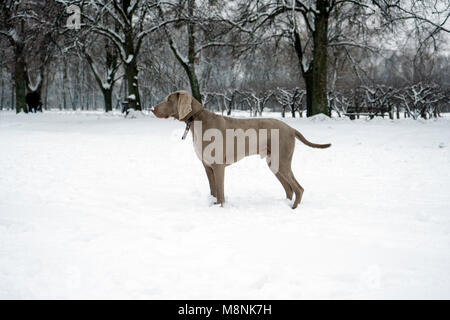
[(178, 104)]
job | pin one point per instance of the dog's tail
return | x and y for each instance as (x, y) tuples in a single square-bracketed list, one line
[(299, 136)]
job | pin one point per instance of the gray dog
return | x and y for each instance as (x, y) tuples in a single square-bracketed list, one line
[(182, 106)]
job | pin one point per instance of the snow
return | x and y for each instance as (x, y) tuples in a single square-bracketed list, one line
[(129, 59), (132, 6), (94, 205), (319, 117), (132, 97), (13, 34), (132, 114), (33, 87)]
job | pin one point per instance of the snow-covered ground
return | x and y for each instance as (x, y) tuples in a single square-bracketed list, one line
[(98, 206)]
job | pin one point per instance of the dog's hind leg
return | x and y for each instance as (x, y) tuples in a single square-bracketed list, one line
[(285, 175), (296, 187), (286, 186), (298, 196)]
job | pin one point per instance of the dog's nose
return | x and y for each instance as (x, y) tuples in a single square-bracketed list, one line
[(154, 109)]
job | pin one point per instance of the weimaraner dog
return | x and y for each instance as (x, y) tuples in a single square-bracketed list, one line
[(182, 106)]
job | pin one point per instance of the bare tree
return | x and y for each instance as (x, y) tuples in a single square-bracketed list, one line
[(13, 28), (291, 98), (30, 28), (421, 100), (102, 58), (306, 25), (203, 31), (134, 20), (316, 26)]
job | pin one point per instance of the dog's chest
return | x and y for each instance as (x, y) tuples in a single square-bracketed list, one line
[(198, 143)]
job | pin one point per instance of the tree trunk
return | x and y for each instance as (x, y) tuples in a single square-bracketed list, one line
[(319, 101), (12, 95), (131, 70), (3, 92), (20, 78), (306, 73), (107, 96), (46, 94), (39, 92), (131, 73), (423, 113), (64, 85), (3, 83), (189, 66), (438, 110), (36, 86), (231, 104), (309, 91), (106, 91), (193, 82)]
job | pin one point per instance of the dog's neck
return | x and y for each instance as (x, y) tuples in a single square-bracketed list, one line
[(194, 116)]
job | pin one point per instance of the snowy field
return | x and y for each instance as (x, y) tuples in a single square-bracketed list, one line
[(98, 206)]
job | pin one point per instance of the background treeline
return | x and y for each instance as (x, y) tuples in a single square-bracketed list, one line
[(387, 58)]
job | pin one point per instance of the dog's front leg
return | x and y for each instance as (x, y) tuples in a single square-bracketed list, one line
[(212, 184), (219, 172)]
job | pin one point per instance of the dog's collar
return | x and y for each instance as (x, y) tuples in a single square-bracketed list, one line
[(188, 123)]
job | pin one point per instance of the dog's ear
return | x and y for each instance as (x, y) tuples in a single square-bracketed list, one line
[(184, 104)]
